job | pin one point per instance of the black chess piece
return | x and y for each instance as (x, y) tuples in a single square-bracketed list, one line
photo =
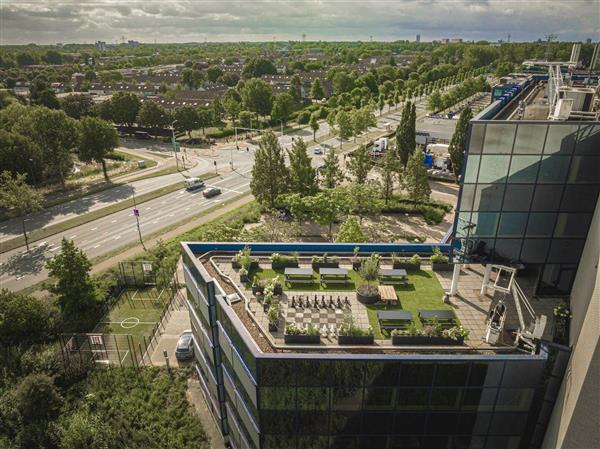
[(331, 306), (339, 303), (293, 302), (346, 301), (323, 305)]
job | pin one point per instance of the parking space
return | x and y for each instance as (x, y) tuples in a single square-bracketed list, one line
[(174, 326)]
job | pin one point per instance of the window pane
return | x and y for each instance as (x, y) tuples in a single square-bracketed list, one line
[(560, 138), (524, 169), (488, 197), (445, 399), (553, 169), (514, 399), (466, 197), (517, 197), (413, 398), (472, 168), (535, 250), (476, 141), (481, 399), (493, 168), (508, 249), (379, 398), (313, 372), (380, 423), (585, 169), (485, 224), (565, 251), (473, 423), (499, 138), (485, 374), (546, 198), (416, 374), (382, 373), (462, 225), (346, 398), (512, 224), (580, 198), (278, 398), (540, 225), (530, 139), (410, 423), (451, 374), (588, 139), (313, 398), (572, 225)]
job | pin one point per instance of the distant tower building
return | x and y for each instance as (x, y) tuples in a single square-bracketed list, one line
[(418, 39), (100, 45)]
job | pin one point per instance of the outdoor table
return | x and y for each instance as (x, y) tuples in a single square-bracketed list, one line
[(393, 276), (387, 294), (298, 275), (443, 316), (333, 275), (394, 319)]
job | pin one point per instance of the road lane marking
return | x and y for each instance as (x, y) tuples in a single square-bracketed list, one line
[(114, 221), (73, 236), (97, 246), (117, 237), (93, 229)]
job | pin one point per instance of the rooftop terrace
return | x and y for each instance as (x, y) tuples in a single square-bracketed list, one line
[(328, 311)]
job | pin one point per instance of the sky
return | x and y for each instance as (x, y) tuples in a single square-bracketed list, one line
[(84, 21)]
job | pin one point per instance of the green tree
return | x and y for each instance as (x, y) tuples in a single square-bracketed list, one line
[(124, 108), (18, 198), (344, 123), (76, 292), (331, 172), (232, 104), (153, 115), (283, 106), (205, 119), (405, 136), (388, 167), (434, 103), (269, 173), (361, 199), (303, 177), (187, 119), (415, 178), (84, 430), (350, 231), (342, 82), (325, 208), (295, 89), (257, 67), (77, 106), (360, 164), (245, 119), (20, 154), (37, 398), (213, 73), (98, 139), (458, 144), (257, 96), (314, 124), (380, 103), (316, 89), (25, 319)]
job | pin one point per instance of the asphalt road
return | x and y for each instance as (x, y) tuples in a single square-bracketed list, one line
[(20, 269)]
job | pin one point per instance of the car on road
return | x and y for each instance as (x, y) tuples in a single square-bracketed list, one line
[(185, 346), (211, 191), (193, 183), (317, 150)]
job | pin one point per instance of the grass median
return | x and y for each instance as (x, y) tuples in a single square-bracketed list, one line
[(43, 233)]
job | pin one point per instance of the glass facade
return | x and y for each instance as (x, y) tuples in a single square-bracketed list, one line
[(298, 400), (529, 189)]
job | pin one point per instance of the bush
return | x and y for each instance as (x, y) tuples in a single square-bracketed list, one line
[(348, 328), (456, 333), (303, 118), (433, 215), (225, 132), (283, 258), (438, 257)]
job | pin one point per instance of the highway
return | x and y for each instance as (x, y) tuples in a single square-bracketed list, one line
[(20, 269)]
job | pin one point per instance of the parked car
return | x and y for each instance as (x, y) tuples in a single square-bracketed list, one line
[(185, 345), (211, 191), (317, 150)]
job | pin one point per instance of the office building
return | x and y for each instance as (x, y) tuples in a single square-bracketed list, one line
[(418, 38)]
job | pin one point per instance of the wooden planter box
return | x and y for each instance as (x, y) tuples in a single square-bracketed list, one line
[(406, 266), (302, 339), (276, 265), (442, 266), (317, 265), (356, 339), (417, 340), (237, 265)]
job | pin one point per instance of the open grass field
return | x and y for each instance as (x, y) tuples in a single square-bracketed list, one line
[(423, 292)]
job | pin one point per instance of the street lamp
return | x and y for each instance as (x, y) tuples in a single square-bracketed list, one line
[(174, 143), (281, 124)]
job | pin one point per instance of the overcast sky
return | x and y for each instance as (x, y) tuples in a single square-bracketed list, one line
[(50, 21)]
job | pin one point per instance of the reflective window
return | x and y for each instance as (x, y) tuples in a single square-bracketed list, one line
[(406, 442), (416, 374), (553, 169), (493, 168), (546, 198), (463, 224), (514, 399), (541, 224), (503, 442), (485, 374), (451, 374), (473, 423), (508, 249), (517, 197), (410, 423), (445, 399), (345, 423), (472, 168), (588, 139), (346, 398), (560, 138), (369, 442), (512, 224), (381, 373), (277, 372), (442, 424), (412, 399), (485, 224), (313, 372), (466, 197), (524, 169), (379, 398), (522, 373), (377, 423), (535, 250), (346, 373), (476, 141), (499, 138), (278, 398), (557, 278), (508, 423), (580, 198), (572, 225), (530, 139), (312, 422), (584, 169), (488, 197), (313, 398), (481, 399), (313, 442), (565, 250)]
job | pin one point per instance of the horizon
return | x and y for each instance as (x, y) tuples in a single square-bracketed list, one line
[(197, 21)]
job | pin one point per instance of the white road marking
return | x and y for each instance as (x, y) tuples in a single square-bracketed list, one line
[(73, 236), (97, 246), (187, 208), (117, 237), (93, 229), (114, 221)]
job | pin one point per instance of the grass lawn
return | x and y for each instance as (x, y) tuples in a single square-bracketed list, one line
[(423, 292)]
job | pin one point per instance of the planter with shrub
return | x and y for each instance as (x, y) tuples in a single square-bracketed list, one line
[(284, 261), (369, 272), (243, 275), (350, 334), (297, 335), (356, 261), (324, 261), (243, 260), (439, 261), (273, 316), (432, 335), (407, 263)]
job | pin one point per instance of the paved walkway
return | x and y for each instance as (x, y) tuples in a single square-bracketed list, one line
[(196, 398)]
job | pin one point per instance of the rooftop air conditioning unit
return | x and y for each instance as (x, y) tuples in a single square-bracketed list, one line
[(562, 110)]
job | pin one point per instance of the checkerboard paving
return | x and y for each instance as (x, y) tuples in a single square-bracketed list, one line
[(318, 317)]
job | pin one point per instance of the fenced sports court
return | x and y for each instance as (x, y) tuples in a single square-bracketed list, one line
[(127, 331)]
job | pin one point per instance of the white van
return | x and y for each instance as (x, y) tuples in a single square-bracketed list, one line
[(380, 145), (193, 183)]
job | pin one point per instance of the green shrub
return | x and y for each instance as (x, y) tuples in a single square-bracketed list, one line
[(349, 328), (225, 132), (433, 215), (438, 257), (283, 258), (303, 118)]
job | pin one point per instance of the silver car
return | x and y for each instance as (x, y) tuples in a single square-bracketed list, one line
[(185, 346)]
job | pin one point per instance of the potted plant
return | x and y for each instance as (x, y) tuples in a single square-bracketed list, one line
[(273, 316), (243, 259), (284, 261), (430, 335), (243, 275), (369, 272), (267, 300), (356, 261), (409, 264), (274, 285), (562, 315), (439, 261), (456, 333), (324, 262), (298, 335), (258, 286), (350, 334)]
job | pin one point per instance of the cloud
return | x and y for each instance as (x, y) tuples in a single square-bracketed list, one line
[(50, 21)]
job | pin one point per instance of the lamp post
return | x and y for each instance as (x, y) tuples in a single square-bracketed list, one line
[(281, 126), (174, 144)]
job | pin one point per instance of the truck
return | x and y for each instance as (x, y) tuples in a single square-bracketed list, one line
[(193, 183), (437, 148), (380, 145)]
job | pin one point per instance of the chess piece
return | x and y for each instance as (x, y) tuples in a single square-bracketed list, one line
[(346, 301), (323, 305), (339, 303), (331, 305), (293, 302)]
